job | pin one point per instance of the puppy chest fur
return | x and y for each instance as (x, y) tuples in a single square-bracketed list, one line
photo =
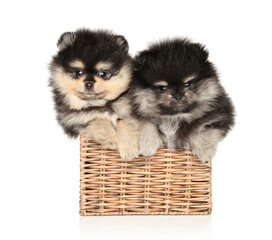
[(169, 126)]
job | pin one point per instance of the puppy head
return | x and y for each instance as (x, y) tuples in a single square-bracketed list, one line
[(91, 66), (173, 77)]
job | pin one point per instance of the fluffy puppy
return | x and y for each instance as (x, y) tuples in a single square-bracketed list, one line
[(90, 75), (178, 97)]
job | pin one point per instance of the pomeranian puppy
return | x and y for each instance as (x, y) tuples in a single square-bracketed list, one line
[(178, 97), (90, 75)]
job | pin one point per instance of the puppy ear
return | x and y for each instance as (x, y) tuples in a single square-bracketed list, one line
[(122, 42), (200, 51), (66, 39)]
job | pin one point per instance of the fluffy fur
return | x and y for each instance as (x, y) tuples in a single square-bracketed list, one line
[(178, 97), (90, 75)]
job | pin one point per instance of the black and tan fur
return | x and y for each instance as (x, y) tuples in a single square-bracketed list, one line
[(90, 76), (177, 96)]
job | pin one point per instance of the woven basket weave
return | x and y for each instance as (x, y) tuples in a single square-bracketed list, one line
[(167, 183)]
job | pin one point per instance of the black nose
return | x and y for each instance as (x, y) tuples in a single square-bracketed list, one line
[(88, 85), (178, 97)]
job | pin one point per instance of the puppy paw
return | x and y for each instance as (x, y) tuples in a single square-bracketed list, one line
[(149, 148), (109, 144), (204, 154), (103, 132), (150, 140), (128, 139), (204, 144), (127, 152)]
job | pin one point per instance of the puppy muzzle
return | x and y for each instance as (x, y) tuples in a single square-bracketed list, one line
[(178, 97), (89, 85)]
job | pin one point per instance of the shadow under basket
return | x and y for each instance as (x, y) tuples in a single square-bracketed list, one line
[(169, 183)]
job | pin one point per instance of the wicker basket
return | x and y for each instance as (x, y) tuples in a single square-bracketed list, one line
[(167, 183)]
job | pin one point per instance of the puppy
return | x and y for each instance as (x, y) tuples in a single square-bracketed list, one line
[(90, 76), (178, 97)]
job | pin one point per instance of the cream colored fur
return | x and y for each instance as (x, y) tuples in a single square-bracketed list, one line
[(125, 138), (103, 132), (128, 138), (116, 85)]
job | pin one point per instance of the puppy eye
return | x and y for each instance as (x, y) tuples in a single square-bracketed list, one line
[(162, 88), (103, 74), (78, 73), (188, 84)]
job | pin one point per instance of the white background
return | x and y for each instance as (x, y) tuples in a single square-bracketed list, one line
[(39, 172)]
